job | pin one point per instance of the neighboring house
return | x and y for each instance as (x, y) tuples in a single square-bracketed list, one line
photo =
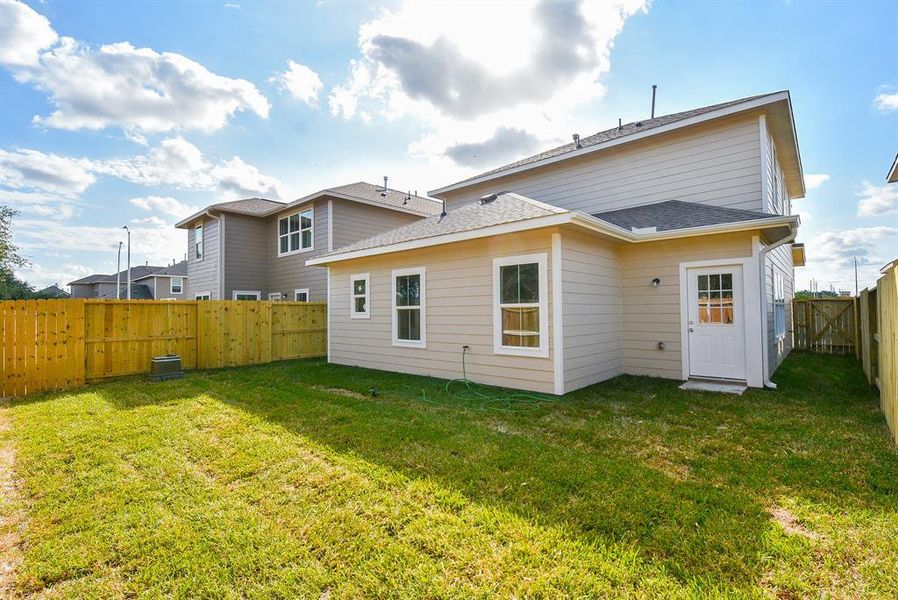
[(257, 248), (148, 282), (52, 291), (657, 248)]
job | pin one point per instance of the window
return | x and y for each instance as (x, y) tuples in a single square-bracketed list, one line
[(275, 296), (715, 299), (779, 306), (177, 285), (244, 295), (203, 296), (521, 316), (359, 284), (198, 241), (409, 317), (301, 295), (295, 232)]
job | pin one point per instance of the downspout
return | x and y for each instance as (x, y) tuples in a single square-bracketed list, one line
[(220, 246), (762, 271)]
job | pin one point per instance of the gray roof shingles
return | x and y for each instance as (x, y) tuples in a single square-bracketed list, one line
[(137, 272), (612, 134), (676, 214), (506, 208), (375, 193)]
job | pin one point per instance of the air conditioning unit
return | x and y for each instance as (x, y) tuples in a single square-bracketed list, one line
[(165, 367)]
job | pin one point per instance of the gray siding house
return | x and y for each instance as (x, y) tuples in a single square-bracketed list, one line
[(257, 248), (148, 282)]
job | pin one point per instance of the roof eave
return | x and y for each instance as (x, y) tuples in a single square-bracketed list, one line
[(349, 197), (893, 172), (687, 122)]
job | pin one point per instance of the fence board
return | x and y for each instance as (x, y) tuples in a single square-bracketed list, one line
[(887, 380), (825, 325), (56, 344)]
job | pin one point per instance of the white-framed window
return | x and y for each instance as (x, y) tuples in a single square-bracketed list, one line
[(198, 241), (202, 296), (176, 285), (275, 296), (409, 308), (246, 295), (360, 290), (295, 232), (779, 305), (521, 305), (301, 295)]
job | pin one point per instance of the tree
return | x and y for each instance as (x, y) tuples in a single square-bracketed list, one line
[(11, 287)]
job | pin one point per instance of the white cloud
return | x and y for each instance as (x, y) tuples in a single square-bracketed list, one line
[(450, 66), (41, 276), (877, 200), (137, 89), (24, 33), (49, 173), (173, 162), (831, 254), (163, 204), (505, 144), (886, 102), (301, 81), (812, 182)]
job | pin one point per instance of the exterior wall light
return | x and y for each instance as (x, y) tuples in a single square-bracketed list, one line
[(656, 282)]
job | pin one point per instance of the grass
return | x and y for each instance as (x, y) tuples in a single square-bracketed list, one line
[(289, 480)]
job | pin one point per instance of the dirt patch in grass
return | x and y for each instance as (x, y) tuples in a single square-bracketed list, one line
[(12, 516), (790, 523), (341, 392)]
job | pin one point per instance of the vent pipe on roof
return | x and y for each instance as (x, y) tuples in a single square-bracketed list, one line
[(654, 88), (620, 124), (577, 141), (383, 192), (444, 213)]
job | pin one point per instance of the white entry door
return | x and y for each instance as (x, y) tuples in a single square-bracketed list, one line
[(716, 322)]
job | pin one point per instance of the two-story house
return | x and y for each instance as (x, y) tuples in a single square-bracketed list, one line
[(148, 282), (661, 247), (256, 249)]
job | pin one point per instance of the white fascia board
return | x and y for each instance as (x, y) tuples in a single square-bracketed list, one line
[(687, 122)]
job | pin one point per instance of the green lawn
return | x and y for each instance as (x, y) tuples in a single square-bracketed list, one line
[(289, 480)]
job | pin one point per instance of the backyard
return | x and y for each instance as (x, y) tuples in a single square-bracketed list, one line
[(293, 480)]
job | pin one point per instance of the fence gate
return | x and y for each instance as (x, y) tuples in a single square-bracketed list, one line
[(825, 325)]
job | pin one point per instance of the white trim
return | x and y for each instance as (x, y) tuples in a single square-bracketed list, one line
[(171, 284), (330, 225), (541, 259), (422, 343), (366, 277), (201, 225), (220, 250), (300, 231), (275, 296), (751, 322), (255, 293), (723, 112), (575, 218), (557, 313), (330, 309), (765, 160), (305, 291), (198, 295)]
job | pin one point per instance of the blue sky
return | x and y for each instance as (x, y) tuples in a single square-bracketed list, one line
[(138, 113)]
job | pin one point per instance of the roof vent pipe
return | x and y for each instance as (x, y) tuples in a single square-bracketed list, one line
[(577, 141), (383, 192), (654, 88), (620, 124), (443, 214)]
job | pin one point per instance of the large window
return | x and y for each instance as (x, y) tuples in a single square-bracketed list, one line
[(177, 285), (779, 305), (295, 232), (358, 308), (198, 241), (521, 318), (409, 319)]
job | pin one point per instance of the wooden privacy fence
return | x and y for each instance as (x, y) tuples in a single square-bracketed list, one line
[(825, 325), (878, 348), (56, 344)]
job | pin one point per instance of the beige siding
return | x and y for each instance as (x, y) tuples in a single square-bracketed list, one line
[(246, 262), (459, 311), (288, 273), (161, 289), (592, 309), (779, 260), (772, 176), (354, 221), (652, 314), (204, 274), (715, 163)]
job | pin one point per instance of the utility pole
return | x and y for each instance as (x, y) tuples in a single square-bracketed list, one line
[(118, 273), (125, 227)]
